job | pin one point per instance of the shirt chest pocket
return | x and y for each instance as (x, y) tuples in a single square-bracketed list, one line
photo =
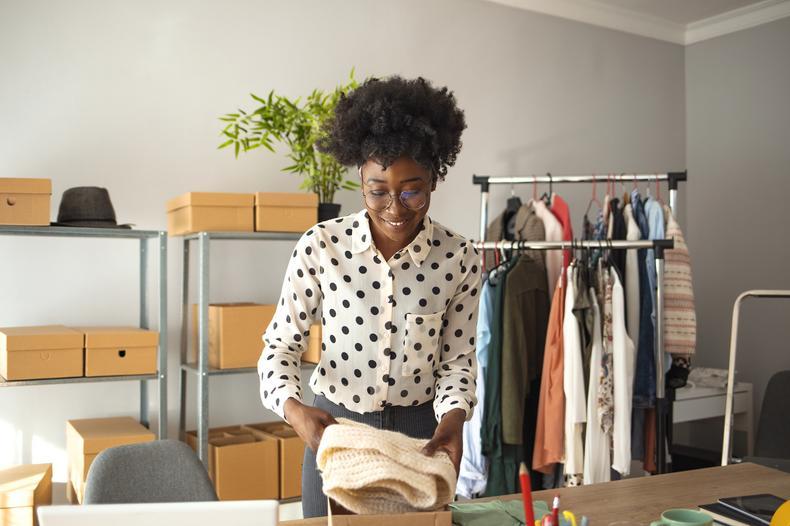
[(421, 343)]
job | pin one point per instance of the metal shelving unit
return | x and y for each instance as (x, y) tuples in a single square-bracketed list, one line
[(144, 236), (201, 369)]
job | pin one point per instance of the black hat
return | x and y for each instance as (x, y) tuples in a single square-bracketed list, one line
[(87, 206)]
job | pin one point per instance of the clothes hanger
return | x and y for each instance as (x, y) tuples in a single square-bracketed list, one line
[(594, 198), (547, 197), (513, 202)]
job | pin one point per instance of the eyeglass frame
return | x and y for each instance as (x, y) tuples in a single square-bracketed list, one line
[(392, 196)]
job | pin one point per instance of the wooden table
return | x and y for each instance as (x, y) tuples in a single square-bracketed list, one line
[(642, 499)]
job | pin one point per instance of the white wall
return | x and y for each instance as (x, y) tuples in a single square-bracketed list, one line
[(126, 95), (738, 114)]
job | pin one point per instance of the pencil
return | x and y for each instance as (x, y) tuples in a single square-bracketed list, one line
[(526, 494)]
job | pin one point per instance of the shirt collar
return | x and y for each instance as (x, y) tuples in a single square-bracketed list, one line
[(418, 249)]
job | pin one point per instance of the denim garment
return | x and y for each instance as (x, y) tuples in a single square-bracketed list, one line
[(645, 375)]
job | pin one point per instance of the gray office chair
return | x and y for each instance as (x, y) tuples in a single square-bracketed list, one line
[(772, 447), (158, 471)]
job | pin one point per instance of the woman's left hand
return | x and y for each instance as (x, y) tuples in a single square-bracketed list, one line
[(449, 437)]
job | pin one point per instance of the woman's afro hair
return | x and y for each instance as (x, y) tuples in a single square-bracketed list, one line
[(395, 117)]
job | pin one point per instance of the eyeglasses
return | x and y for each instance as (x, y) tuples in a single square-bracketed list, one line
[(380, 200)]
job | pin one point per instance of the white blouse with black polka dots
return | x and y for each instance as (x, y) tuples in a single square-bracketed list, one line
[(398, 332)]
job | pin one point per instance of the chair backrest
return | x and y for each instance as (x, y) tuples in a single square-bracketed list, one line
[(773, 431), (158, 471)]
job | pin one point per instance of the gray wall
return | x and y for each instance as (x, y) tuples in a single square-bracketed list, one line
[(127, 95), (738, 152)]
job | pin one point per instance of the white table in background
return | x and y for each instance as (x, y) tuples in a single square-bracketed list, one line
[(697, 403)]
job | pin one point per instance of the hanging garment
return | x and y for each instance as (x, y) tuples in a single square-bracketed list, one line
[(582, 310), (474, 465), (553, 230), (680, 318), (527, 227), (606, 377), (503, 459), (655, 220), (645, 382), (573, 387), (550, 423), (561, 211), (632, 277), (623, 357), (596, 442), (525, 319), (618, 232)]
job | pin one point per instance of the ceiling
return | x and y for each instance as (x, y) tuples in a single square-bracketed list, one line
[(678, 21), (680, 11)]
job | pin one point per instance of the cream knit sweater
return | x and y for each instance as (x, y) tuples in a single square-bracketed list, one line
[(369, 471)]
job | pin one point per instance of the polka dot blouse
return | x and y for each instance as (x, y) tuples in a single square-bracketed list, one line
[(398, 332)]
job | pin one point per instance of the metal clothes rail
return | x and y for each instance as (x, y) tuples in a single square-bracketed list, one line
[(659, 246)]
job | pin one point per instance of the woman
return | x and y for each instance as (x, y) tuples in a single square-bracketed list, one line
[(395, 291)]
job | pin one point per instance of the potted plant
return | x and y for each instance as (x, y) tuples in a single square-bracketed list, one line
[(297, 124)]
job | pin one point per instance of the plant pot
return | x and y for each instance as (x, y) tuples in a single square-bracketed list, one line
[(327, 211)]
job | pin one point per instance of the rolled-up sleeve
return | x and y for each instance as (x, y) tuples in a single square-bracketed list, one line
[(457, 372), (286, 337)]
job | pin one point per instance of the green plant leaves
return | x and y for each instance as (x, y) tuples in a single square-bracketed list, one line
[(297, 124)]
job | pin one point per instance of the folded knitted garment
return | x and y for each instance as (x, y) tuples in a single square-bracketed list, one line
[(367, 470)]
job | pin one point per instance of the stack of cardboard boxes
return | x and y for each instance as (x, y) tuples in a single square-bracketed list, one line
[(86, 438), (230, 212), (254, 461), (56, 351)]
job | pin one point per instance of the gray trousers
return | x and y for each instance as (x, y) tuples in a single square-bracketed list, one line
[(415, 421)]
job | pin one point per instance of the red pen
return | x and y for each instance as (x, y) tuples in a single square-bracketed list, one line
[(526, 494), (555, 510)]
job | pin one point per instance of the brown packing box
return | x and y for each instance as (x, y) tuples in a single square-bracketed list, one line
[(116, 351), (313, 352), (25, 202), (285, 212), (50, 351), (243, 464), (86, 438), (22, 490), (210, 211), (235, 333), (71, 494), (291, 452), (427, 518)]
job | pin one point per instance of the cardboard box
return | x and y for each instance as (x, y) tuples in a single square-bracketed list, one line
[(22, 490), (50, 351), (71, 495), (235, 332), (25, 202), (291, 454), (313, 352), (285, 212), (428, 518), (118, 351), (210, 212), (85, 439), (243, 463)]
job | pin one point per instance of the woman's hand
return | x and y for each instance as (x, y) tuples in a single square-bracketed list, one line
[(308, 422), (449, 437)]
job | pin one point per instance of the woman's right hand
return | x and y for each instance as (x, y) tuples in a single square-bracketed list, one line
[(308, 422)]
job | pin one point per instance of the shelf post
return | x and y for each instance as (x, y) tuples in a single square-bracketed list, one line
[(162, 351), (202, 380), (144, 324)]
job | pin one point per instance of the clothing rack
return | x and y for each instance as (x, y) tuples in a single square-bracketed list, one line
[(658, 246)]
